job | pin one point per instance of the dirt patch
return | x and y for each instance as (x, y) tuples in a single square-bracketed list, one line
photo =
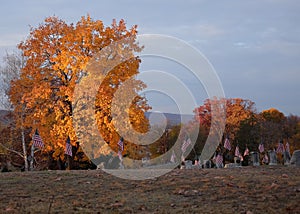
[(263, 189)]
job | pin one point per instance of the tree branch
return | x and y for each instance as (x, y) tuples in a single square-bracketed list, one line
[(11, 150)]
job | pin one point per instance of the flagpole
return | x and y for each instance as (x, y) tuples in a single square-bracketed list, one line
[(68, 152)]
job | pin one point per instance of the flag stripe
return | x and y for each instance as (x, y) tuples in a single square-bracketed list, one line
[(185, 144), (121, 145), (266, 159), (219, 159), (287, 147), (261, 148), (237, 152), (280, 148), (246, 152), (37, 140), (227, 144), (68, 149)]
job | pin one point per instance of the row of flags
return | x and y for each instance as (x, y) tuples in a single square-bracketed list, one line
[(227, 145), (280, 149), (186, 143), (38, 143)]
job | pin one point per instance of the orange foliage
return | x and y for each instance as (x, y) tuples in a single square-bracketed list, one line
[(237, 110), (57, 55), (273, 115)]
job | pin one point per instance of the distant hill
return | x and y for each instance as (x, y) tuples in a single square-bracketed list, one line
[(5, 117), (156, 118), (172, 119)]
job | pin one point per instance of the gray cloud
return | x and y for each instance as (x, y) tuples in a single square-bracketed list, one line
[(254, 45)]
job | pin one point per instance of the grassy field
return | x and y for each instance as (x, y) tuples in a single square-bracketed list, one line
[(263, 189)]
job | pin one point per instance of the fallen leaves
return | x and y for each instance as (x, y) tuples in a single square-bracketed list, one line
[(116, 205), (273, 186), (58, 179), (187, 193)]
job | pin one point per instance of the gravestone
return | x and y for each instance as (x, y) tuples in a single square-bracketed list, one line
[(255, 158), (273, 157), (206, 164), (232, 165), (101, 166), (237, 161), (145, 161), (295, 160), (200, 164), (188, 164), (286, 157), (219, 165)]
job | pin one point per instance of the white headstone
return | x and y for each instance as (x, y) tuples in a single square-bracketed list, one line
[(295, 160), (273, 157), (255, 158), (188, 164), (100, 166), (232, 165), (286, 157)]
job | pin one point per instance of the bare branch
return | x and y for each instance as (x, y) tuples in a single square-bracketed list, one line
[(11, 150)]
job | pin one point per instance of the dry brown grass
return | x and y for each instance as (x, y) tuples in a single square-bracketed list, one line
[(262, 189)]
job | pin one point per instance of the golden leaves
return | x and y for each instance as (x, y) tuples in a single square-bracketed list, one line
[(57, 57)]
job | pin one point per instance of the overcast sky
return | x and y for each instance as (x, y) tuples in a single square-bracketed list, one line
[(254, 45)]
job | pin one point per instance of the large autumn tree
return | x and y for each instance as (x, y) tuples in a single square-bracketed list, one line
[(57, 55)]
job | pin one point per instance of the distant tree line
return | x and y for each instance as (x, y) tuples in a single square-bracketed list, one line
[(244, 127)]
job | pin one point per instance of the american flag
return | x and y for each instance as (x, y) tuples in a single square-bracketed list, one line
[(37, 140), (185, 144), (227, 144), (287, 147), (280, 148), (173, 157), (237, 151), (121, 144), (261, 148), (68, 149), (246, 152), (120, 155), (266, 159), (219, 160)]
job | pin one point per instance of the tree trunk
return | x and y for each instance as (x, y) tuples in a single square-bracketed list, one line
[(69, 162), (24, 148)]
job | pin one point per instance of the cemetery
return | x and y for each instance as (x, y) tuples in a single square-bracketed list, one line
[(112, 107)]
